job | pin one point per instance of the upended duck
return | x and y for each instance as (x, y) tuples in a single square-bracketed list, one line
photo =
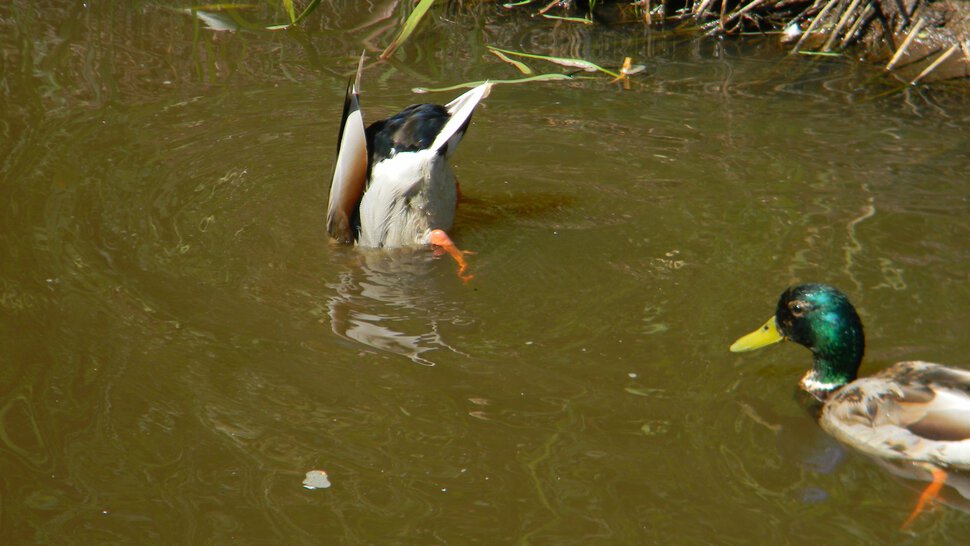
[(392, 185), (912, 411)]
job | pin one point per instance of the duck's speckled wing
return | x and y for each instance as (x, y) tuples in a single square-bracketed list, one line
[(913, 410), (350, 168)]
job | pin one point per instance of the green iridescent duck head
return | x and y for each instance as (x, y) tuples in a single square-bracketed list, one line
[(821, 318)]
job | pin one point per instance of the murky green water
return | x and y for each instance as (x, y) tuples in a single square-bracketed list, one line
[(180, 344)]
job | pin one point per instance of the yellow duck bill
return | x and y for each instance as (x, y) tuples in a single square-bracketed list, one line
[(766, 335)]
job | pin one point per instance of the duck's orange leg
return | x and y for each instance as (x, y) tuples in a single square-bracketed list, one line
[(441, 240), (931, 492)]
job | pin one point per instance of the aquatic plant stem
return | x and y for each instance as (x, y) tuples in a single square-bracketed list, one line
[(939, 60), (843, 21), (902, 48), (409, 25), (745, 9), (699, 12), (856, 25), (812, 26), (520, 66)]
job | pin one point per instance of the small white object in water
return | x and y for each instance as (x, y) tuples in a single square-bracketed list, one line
[(792, 32), (316, 479)]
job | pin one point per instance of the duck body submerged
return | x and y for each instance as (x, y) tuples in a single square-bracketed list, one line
[(421, 197), (392, 184), (417, 191)]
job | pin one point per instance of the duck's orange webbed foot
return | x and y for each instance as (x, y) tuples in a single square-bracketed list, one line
[(440, 240), (931, 492)]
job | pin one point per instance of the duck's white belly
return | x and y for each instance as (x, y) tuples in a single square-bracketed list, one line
[(410, 194)]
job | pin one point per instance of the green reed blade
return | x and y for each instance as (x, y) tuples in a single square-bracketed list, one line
[(569, 19), (562, 61), (290, 10), (303, 15), (409, 25), (522, 67), (467, 85)]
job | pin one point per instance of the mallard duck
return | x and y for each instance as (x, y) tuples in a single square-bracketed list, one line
[(912, 411), (392, 185)]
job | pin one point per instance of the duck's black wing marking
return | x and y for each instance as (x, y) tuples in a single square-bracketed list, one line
[(410, 130)]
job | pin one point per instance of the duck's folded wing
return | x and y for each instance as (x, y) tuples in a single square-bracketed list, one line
[(946, 418), (913, 410), (461, 110), (350, 168), (935, 402)]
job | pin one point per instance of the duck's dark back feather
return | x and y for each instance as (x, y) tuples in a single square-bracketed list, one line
[(410, 130)]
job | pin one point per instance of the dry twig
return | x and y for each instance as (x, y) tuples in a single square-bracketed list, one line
[(939, 60), (840, 25), (909, 39), (821, 15)]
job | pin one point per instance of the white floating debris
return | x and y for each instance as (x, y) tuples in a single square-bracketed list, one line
[(792, 32), (316, 479), (634, 69)]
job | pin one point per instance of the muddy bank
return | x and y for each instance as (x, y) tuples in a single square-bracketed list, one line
[(917, 40)]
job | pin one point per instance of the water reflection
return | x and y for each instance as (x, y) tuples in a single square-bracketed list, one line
[(391, 301), (955, 492)]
